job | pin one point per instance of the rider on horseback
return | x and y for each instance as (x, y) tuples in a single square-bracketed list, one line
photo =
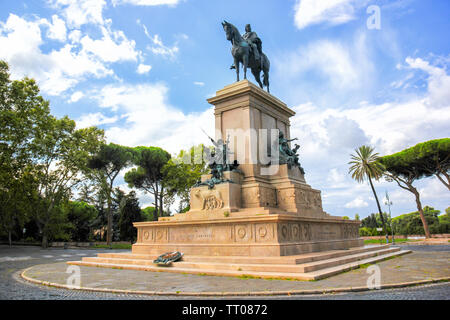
[(255, 44)]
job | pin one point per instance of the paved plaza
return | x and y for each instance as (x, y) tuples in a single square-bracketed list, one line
[(423, 265)]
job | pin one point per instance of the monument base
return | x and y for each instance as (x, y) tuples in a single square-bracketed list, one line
[(245, 234)]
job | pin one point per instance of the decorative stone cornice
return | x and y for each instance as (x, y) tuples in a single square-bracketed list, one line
[(244, 87)]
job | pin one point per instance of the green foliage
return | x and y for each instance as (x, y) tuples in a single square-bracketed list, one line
[(422, 160), (365, 165), (345, 218), (149, 175), (374, 220), (397, 240), (411, 223), (182, 172), (444, 223), (113, 246), (107, 163), (130, 212), (80, 215), (357, 217), (111, 158), (367, 232), (41, 157), (62, 153), (370, 224), (22, 115), (148, 214)]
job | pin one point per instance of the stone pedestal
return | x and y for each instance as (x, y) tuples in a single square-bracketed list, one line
[(245, 234), (257, 214)]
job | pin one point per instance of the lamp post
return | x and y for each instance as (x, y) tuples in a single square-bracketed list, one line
[(389, 203)]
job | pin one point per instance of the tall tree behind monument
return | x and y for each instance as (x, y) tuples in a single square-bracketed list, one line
[(364, 166), (412, 164), (110, 160), (149, 175)]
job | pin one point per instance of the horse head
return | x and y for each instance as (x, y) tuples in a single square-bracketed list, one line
[(228, 30)]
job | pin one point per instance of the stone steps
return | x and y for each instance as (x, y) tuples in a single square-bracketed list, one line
[(287, 274), (328, 272), (309, 266), (296, 259), (254, 266), (322, 264)]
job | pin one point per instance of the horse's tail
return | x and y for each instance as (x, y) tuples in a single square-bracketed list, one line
[(266, 67)]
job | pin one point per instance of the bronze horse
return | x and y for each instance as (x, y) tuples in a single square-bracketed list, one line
[(242, 54)]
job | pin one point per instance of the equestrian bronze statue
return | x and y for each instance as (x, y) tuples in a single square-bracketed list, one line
[(247, 49)]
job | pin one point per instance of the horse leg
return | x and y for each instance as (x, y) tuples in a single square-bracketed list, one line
[(236, 64), (245, 64), (266, 80), (256, 74)]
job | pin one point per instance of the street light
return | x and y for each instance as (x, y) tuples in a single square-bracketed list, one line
[(389, 203)]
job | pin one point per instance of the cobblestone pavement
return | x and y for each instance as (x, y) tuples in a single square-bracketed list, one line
[(425, 262)]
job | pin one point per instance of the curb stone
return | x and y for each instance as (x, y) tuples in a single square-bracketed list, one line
[(254, 293)]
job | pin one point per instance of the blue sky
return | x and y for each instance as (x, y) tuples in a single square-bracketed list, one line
[(142, 70)]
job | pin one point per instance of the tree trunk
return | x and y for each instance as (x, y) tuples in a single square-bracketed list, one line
[(9, 238), (161, 202), (379, 209), (109, 225), (155, 214), (419, 208), (44, 241)]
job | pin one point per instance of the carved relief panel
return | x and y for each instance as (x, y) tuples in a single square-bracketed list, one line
[(307, 232), (264, 232), (296, 232), (209, 199), (283, 232), (243, 233)]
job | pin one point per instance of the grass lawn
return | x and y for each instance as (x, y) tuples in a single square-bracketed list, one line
[(113, 246), (371, 241)]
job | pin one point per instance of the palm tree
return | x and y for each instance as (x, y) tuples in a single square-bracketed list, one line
[(365, 165)]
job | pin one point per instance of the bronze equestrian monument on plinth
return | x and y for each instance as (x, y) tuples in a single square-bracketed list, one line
[(254, 214)]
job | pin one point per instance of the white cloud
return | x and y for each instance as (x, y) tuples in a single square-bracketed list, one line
[(438, 81), (57, 29), (344, 67), (79, 12), (199, 83), (336, 178), (151, 120), (334, 12), (76, 96), (143, 68), (159, 48), (356, 203), (343, 133), (434, 190), (146, 2), (62, 68), (113, 47), (75, 36), (94, 119)]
